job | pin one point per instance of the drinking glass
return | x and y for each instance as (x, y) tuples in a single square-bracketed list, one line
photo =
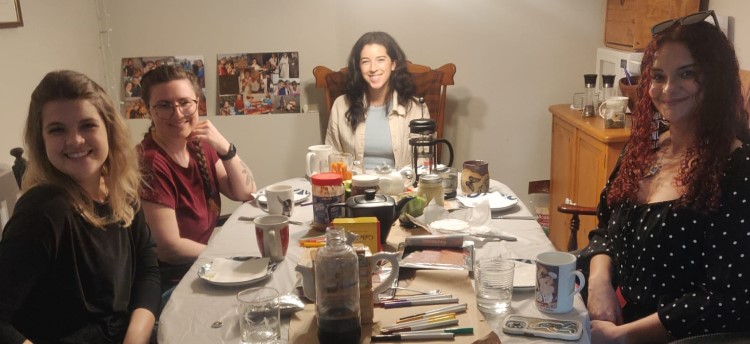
[(494, 284), (259, 316)]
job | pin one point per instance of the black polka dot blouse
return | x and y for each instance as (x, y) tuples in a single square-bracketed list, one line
[(691, 268)]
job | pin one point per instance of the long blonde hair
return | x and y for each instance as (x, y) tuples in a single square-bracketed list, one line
[(120, 170)]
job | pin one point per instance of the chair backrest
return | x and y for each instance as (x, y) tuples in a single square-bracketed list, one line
[(431, 84), (8, 197)]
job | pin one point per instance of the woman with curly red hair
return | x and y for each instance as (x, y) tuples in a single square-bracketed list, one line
[(674, 217)]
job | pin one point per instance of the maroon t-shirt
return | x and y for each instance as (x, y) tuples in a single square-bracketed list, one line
[(180, 188)]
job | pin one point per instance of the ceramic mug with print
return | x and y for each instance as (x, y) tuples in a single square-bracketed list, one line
[(555, 282), (475, 177)]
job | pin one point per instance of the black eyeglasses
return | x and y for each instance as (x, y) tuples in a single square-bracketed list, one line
[(686, 20), (166, 110)]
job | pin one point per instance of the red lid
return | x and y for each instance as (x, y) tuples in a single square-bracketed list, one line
[(327, 179)]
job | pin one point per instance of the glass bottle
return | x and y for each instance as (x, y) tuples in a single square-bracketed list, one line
[(589, 96), (431, 188), (337, 290)]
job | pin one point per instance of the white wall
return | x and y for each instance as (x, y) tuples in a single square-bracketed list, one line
[(514, 59), (55, 35)]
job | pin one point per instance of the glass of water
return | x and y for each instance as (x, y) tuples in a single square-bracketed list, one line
[(494, 284), (259, 315)]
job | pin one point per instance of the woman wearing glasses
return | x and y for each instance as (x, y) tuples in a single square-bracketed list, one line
[(77, 262), (371, 119), (674, 218), (186, 164)]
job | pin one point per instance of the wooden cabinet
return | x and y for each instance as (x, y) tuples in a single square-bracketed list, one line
[(583, 156), (628, 24)]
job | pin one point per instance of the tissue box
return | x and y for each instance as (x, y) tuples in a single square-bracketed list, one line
[(367, 228)]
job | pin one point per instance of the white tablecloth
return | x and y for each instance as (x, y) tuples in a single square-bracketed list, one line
[(195, 305)]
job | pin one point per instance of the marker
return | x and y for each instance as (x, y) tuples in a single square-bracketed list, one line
[(410, 336), (449, 316), (409, 303), (425, 326), (450, 309), (312, 244), (455, 330)]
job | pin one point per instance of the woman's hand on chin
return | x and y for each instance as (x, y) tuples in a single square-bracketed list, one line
[(205, 131)]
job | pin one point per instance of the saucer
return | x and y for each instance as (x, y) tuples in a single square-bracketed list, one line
[(300, 195), (236, 271)]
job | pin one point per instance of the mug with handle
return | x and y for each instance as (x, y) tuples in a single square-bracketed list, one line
[(272, 234), (555, 281), (279, 200), (317, 159)]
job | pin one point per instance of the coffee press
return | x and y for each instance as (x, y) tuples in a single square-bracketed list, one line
[(424, 144)]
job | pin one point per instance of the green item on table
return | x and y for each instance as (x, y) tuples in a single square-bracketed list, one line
[(415, 207)]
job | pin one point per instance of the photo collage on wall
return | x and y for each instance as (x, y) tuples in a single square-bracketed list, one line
[(133, 69), (258, 83)]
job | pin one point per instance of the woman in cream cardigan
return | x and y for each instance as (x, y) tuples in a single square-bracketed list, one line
[(371, 119)]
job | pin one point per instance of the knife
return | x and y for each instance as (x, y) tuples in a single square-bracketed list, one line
[(495, 236), (513, 217)]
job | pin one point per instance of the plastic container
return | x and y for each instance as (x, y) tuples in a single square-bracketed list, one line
[(337, 290), (327, 189)]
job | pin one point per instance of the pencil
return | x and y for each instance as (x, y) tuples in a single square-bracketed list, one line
[(457, 308), (408, 303), (449, 322), (410, 336), (447, 316)]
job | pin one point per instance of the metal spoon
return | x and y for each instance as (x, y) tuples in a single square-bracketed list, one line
[(251, 218)]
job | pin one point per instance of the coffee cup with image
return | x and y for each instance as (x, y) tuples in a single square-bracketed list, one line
[(556, 275), (279, 200)]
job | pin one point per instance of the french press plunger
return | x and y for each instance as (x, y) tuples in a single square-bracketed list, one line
[(423, 144)]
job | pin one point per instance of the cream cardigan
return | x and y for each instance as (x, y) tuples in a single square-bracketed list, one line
[(343, 139)]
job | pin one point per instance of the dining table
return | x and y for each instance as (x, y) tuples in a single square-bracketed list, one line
[(202, 312)]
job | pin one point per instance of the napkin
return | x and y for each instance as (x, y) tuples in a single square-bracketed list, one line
[(524, 275), (225, 270), (495, 199)]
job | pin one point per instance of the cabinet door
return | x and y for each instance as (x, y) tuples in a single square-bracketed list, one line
[(628, 22), (589, 177), (620, 23), (561, 172)]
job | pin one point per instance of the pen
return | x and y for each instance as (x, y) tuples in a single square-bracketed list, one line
[(455, 330), (449, 322), (409, 303), (450, 309), (448, 316), (419, 297), (408, 336)]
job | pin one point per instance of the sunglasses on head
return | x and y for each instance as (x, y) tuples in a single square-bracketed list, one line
[(686, 20)]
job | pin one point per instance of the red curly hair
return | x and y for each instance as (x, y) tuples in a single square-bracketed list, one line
[(720, 119)]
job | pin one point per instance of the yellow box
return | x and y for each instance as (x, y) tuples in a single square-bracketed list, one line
[(367, 228)]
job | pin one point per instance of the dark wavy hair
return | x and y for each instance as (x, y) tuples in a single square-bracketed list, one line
[(720, 119), (356, 87)]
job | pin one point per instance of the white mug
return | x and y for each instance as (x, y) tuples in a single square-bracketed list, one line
[(272, 235), (279, 200), (555, 282), (317, 159)]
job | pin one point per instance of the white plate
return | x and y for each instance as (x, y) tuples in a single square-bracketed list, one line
[(497, 200), (524, 276), (236, 271), (300, 195)]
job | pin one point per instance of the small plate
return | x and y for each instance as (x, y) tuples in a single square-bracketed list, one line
[(497, 200), (300, 195), (524, 276), (233, 263)]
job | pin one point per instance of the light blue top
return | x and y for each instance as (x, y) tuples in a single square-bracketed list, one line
[(378, 144)]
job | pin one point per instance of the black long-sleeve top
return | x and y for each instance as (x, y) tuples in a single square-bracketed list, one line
[(64, 280)]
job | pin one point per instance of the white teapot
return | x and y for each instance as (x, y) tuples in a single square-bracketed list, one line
[(393, 182)]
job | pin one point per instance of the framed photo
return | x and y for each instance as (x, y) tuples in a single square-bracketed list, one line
[(10, 14)]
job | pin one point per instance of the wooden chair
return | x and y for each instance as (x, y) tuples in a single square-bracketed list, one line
[(431, 84), (577, 211)]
